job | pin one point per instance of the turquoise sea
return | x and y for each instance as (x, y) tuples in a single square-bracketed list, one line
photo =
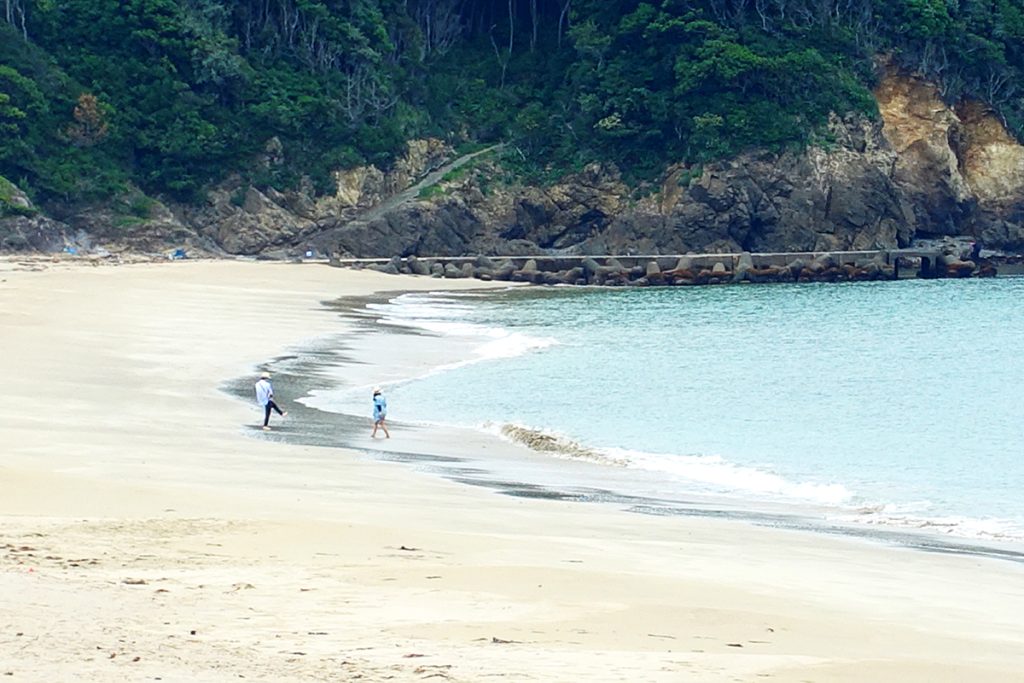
[(896, 404)]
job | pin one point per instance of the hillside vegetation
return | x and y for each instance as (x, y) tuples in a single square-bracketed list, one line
[(171, 95)]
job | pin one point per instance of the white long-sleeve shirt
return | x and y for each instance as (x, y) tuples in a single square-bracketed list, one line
[(264, 392)]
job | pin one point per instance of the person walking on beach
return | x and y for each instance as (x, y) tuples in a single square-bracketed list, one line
[(380, 411), (265, 397)]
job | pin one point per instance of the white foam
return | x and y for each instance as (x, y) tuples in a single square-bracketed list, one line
[(442, 316), (512, 344), (725, 476), (439, 315), (900, 516), (708, 472)]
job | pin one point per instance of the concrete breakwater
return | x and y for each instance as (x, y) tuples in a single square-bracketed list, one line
[(689, 269)]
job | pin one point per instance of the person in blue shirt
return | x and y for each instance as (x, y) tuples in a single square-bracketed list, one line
[(380, 411)]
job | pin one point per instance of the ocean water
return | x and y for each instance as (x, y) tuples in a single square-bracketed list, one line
[(896, 403)]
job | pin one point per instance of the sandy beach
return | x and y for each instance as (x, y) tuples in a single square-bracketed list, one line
[(150, 531)]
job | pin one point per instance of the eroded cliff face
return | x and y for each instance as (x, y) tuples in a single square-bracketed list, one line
[(921, 130), (958, 166), (992, 164), (245, 220), (839, 195), (923, 170), (368, 185)]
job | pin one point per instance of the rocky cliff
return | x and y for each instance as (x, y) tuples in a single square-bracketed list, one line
[(923, 170)]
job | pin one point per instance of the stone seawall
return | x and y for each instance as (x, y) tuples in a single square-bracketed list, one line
[(689, 269)]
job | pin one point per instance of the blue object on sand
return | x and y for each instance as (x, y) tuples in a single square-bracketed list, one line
[(179, 254), (71, 250)]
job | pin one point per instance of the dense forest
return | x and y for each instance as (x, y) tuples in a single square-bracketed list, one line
[(171, 95)]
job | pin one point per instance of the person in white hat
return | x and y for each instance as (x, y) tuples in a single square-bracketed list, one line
[(265, 397), (380, 411)]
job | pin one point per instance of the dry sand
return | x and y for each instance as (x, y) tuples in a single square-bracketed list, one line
[(147, 532)]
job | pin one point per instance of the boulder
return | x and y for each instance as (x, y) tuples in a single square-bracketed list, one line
[(482, 261), (822, 263), (553, 279), (436, 270), (504, 271), (37, 233), (614, 265), (416, 266), (451, 271), (572, 275), (959, 268), (388, 268)]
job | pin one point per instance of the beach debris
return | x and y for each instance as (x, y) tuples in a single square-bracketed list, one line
[(660, 635), (544, 442), (734, 644), (316, 633), (502, 641), (412, 550), (435, 670), (241, 586), (134, 582), (412, 655)]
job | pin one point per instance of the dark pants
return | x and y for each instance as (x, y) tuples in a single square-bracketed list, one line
[(270, 406)]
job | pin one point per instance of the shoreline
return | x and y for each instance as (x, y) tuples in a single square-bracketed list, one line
[(466, 468), (145, 536)]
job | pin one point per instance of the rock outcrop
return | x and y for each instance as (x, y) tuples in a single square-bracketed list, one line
[(923, 171), (821, 199), (23, 227)]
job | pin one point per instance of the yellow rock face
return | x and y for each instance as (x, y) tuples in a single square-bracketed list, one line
[(913, 111), (918, 125), (967, 145), (991, 161)]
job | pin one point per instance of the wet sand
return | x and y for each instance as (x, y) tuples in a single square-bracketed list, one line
[(149, 530)]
